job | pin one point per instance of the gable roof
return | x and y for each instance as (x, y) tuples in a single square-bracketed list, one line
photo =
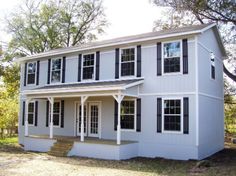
[(189, 30)]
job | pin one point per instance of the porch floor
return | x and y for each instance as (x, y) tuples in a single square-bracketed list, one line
[(91, 140)]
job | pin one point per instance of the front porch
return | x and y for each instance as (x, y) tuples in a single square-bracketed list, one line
[(90, 147), (87, 112)]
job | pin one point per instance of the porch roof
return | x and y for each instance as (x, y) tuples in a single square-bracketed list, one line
[(91, 88)]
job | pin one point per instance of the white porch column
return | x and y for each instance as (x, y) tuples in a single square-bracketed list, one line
[(51, 100), (26, 118), (83, 99), (118, 98)]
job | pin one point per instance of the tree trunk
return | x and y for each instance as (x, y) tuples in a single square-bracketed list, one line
[(229, 74)]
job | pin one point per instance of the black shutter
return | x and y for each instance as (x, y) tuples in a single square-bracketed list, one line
[(185, 56), (79, 67), (25, 74), (138, 125), (36, 114), (97, 64), (159, 114), (23, 113), (49, 70), (186, 115), (115, 115), (213, 72), (47, 113), (117, 55), (139, 61), (63, 69), (159, 59), (37, 75), (62, 113)]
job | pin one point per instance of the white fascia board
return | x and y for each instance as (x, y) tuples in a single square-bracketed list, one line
[(133, 84), (75, 50), (70, 90)]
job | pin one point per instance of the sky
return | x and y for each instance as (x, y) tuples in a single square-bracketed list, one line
[(125, 17)]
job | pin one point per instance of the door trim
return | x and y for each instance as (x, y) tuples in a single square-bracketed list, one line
[(99, 119)]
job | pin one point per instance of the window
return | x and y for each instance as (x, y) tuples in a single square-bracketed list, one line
[(56, 113), (56, 70), (212, 57), (127, 62), (172, 115), (128, 114), (31, 113), (172, 57), (31, 72), (88, 66)]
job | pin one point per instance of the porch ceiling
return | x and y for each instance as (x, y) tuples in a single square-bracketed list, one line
[(97, 88)]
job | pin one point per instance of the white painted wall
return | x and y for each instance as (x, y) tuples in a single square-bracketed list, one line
[(211, 99), (151, 143)]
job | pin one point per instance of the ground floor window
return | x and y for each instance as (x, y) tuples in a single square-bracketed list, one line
[(56, 113), (128, 114), (172, 115), (31, 110)]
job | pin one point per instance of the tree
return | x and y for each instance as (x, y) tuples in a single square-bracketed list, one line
[(223, 12), (39, 26)]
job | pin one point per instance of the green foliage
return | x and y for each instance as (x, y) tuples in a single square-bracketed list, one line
[(7, 141), (8, 110), (39, 26)]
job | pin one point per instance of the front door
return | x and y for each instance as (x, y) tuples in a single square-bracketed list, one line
[(94, 118), (91, 119)]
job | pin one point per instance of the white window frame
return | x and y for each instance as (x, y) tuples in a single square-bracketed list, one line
[(135, 62), (31, 113), (57, 126), (94, 67), (135, 115), (181, 115), (34, 73), (56, 70), (181, 58)]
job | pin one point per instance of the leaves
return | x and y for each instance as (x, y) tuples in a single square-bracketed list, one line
[(42, 26)]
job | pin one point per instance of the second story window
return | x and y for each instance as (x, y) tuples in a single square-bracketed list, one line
[(88, 66), (172, 57), (56, 70), (31, 72), (212, 57), (127, 62)]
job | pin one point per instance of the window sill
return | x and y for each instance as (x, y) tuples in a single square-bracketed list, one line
[(172, 132), (128, 130)]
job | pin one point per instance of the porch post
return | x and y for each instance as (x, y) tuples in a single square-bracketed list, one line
[(26, 118), (83, 99), (118, 98), (51, 100)]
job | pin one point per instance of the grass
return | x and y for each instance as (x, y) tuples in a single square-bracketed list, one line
[(15, 161), (9, 141)]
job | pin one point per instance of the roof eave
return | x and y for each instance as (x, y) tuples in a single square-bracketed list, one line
[(74, 50)]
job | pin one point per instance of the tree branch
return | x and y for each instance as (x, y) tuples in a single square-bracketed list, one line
[(229, 74)]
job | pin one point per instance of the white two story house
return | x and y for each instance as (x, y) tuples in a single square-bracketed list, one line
[(158, 94)]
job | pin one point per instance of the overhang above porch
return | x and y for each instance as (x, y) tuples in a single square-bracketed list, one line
[(98, 88)]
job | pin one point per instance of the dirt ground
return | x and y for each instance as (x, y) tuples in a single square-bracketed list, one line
[(15, 162)]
